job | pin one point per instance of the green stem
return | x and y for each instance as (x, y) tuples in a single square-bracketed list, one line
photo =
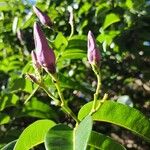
[(71, 23), (72, 31), (64, 105), (33, 92), (50, 95), (102, 101), (66, 109), (97, 92), (56, 82)]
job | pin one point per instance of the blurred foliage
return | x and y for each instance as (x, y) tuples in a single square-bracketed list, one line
[(122, 29)]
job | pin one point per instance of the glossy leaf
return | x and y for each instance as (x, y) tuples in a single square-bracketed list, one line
[(33, 135), (64, 138), (100, 141), (120, 115), (82, 133), (59, 137)]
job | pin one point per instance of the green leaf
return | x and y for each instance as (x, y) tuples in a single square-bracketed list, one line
[(85, 6), (100, 141), (64, 138), (9, 146), (129, 4), (4, 118), (76, 48), (33, 135), (29, 19), (73, 54), (120, 115), (110, 19), (39, 109), (82, 133), (78, 42), (21, 84), (8, 100), (59, 137), (4, 6), (60, 41)]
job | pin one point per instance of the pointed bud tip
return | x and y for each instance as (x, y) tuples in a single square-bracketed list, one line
[(90, 35), (33, 7), (43, 17), (35, 25), (36, 10), (89, 32)]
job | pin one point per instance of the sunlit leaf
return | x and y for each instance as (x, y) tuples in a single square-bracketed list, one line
[(64, 138), (4, 118), (110, 19), (120, 115), (33, 135)]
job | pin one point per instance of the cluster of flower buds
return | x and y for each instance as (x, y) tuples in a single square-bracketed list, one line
[(43, 56), (43, 17), (94, 56)]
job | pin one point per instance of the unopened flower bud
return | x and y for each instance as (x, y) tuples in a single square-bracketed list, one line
[(94, 56), (44, 54), (32, 78), (43, 17), (34, 60)]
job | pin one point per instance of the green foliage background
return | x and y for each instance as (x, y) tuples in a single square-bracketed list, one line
[(122, 30)]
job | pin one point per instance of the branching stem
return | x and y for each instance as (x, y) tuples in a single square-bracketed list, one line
[(64, 105)]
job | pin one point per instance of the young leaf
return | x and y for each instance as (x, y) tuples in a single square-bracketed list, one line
[(120, 115), (33, 135)]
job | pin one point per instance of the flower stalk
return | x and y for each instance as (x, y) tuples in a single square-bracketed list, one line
[(63, 105), (44, 57), (97, 92), (43, 17), (70, 9)]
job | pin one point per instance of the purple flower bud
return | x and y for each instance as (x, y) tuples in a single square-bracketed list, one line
[(44, 18), (45, 55), (32, 78), (94, 56), (34, 60)]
